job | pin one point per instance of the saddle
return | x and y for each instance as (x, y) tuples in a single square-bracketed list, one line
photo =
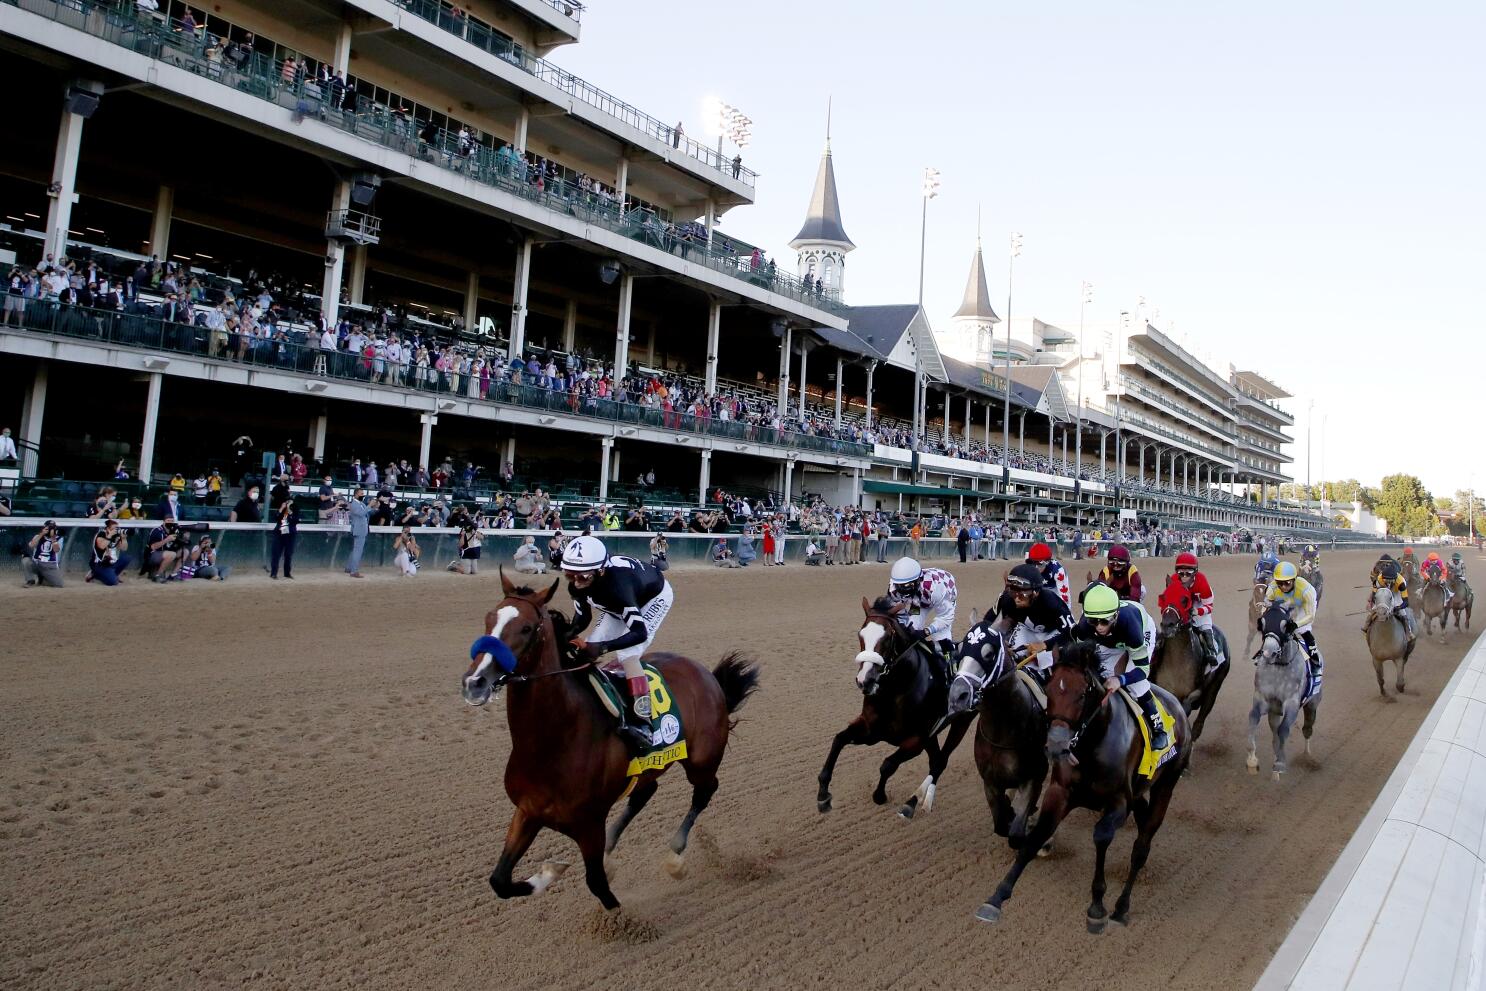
[(1151, 760), (667, 736)]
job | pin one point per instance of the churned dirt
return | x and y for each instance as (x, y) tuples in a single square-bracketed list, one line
[(276, 784)]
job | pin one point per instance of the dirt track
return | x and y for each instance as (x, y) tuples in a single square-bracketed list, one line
[(218, 784)]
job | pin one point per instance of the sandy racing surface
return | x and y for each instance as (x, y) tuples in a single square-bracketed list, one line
[(276, 784)]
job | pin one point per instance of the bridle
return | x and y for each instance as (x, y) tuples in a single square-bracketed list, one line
[(501, 679), (894, 627), (1065, 752)]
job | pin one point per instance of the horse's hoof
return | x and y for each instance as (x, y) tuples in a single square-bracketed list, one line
[(906, 812), (550, 871), (1276, 775), (1252, 763), (879, 798), (988, 913), (676, 865), (1096, 926), (1046, 850), (1120, 919), (823, 805)]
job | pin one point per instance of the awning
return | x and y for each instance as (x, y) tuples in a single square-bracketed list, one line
[(905, 488)]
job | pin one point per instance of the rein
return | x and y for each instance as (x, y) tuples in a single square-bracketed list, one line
[(1078, 733), (504, 678)]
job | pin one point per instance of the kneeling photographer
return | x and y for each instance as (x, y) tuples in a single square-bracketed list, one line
[(109, 559), (42, 562), (169, 548)]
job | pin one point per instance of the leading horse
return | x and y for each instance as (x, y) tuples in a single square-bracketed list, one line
[(1432, 605), (1095, 746), (903, 700), (567, 767)]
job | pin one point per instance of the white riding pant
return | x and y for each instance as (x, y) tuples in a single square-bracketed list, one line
[(652, 614)]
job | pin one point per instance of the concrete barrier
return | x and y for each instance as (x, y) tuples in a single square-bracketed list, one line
[(1403, 905)]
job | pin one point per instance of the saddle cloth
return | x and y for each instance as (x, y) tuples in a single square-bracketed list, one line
[(667, 738), (1151, 760)]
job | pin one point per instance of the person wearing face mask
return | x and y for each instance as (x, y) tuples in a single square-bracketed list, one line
[(247, 509), (133, 510)]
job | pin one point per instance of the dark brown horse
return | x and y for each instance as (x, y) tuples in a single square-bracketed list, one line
[(567, 767), (903, 699), (1095, 747), (1179, 663)]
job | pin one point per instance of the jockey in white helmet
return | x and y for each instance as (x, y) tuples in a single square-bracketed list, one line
[(930, 596), (631, 598)]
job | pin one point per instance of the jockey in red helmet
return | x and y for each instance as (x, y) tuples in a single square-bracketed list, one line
[(1040, 556), (1196, 585), (1122, 576)]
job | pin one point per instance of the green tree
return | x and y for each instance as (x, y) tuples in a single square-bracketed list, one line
[(1407, 506)]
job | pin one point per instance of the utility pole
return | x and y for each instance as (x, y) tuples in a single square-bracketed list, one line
[(1014, 250)]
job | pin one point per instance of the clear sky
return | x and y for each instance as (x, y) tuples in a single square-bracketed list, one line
[(1297, 188)]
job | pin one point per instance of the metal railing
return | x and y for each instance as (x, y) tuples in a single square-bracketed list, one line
[(269, 79), (288, 352)]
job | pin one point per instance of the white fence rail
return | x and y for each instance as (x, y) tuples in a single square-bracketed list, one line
[(1403, 906)]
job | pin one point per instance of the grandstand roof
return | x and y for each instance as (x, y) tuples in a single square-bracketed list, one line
[(977, 302), (823, 218), (990, 383), (890, 333)]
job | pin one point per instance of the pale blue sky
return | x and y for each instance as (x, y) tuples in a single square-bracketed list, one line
[(1299, 187)]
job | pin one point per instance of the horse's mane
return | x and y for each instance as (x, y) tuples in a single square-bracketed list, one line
[(884, 604), (1080, 654)]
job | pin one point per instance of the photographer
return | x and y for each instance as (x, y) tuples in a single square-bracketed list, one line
[(281, 540), (660, 547), (405, 552), (205, 559), (166, 550), (528, 558), (109, 559), (468, 562), (43, 561)]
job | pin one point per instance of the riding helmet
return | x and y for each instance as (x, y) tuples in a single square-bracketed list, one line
[(1024, 577), (1039, 552), (1101, 602), (906, 571), (1119, 553), (1186, 559), (1284, 572), (584, 554)]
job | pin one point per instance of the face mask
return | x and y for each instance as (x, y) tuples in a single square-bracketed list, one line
[(253, 495)]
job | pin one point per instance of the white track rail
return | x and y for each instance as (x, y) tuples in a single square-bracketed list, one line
[(1405, 904)]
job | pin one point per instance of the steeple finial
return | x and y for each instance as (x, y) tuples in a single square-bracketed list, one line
[(828, 121), (977, 225)]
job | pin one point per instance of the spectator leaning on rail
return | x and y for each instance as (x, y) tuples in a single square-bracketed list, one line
[(43, 561), (108, 558)]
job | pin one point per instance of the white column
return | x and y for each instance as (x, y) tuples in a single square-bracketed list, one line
[(856, 486), (988, 425), (160, 223), (335, 259), (621, 336), (356, 277), (570, 327), (523, 123), (518, 300), (425, 443), (804, 364), (32, 415), (510, 451), (714, 341), (784, 350), (704, 478), (471, 300), (606, 445), (64, 182), (1103, 461), (650, 347), (946, 416), (967, 418), (789, 479), (341, 58), (614, 463), (151, 421), (317, 438), (1021, 434), (621, 181), (840, 370), (709, 217), (871, 370)]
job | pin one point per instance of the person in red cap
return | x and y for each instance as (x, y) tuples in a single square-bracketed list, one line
[(1195, 582), (1040, 555), (1122, 576)]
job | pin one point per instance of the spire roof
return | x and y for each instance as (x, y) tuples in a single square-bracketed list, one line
[(977, 302), (823, 220)]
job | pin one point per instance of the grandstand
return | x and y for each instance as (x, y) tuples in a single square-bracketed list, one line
[(399, 230)]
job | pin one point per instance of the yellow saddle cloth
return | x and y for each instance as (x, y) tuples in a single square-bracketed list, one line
[(1152, 760), (667, 737)]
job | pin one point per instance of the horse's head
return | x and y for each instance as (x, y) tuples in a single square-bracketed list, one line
[(515, 634), (878, 639), (984, 644), (1074, 689), (1176, 606), (1275, 626), (1382, 603)]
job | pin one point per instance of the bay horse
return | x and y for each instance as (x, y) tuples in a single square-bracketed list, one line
[(1179, 663), (903, 700), (1010, 733), (1464, 599), (1280, 679), (1432, 605), (1311, 572), (1095, 747), (567, 767), (1409, 568), (1387, 639)]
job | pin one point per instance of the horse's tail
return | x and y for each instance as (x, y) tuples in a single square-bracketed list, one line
[(738, 678)]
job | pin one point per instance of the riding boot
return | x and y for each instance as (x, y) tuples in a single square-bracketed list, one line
[(1209, 643), (634, 729), (1406, 618), (1159, 739)]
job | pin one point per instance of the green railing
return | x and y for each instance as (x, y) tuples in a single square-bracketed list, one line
[(290, 355), (267, 79)]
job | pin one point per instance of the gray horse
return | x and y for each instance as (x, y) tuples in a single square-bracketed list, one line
[(1387, 639), (1432, 606), (1279, 682)]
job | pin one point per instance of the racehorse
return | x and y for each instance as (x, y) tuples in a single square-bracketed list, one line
[(1280, 679), (1256, 609), (1462, 601), (1095, 746), (1409, 568), (1311, 572), (567, 767), (1179, 663), (1387, 639), (1432, 605), (903, 699), (1009, 737)]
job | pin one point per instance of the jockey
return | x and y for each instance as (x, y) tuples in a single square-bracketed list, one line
[(1195, 582), (632, 599), (1041, 556), (1406, 560), (1299, 596), (1310, 554), (1122, 576), (1433, 567), (1034, 616), (1264, 568), (1386, 574), (1123, 631), (1456, 568), (930, 596)]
